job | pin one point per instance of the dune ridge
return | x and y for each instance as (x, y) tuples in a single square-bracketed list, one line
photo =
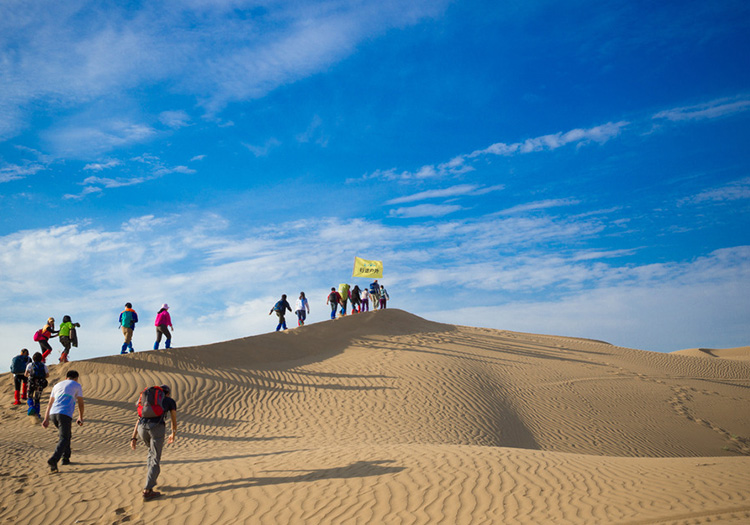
[(387, 417)]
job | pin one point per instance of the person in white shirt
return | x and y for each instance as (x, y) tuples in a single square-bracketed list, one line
[(302, 308), (60, 410)]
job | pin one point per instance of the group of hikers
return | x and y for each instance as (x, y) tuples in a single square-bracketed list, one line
[(154, 406), (359, 298)]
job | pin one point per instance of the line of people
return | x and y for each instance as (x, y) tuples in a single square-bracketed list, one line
[(359, 298)]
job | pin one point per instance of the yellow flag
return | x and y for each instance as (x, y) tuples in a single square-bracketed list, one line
[(365, 268)]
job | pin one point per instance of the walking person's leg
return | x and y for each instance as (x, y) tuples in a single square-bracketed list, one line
[(158, 338), (63, 424), (153, 436)]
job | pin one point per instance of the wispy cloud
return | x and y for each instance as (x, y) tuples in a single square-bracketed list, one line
[(11, 172), (739, 189), (708, 110), (453, 191), (175, 119), (425, 210), (538, 205), (599, 134), (265, 149), (68, 54), (90, 138), (463, 163), (458, 258), (149, 166), (101, 166)]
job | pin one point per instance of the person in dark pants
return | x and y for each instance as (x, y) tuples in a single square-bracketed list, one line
[(18, 368), (152, 431), (333, 299), (37, 374), (60, 410), (280, 308)]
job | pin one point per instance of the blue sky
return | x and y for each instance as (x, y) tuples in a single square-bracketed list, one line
[(576, 169)]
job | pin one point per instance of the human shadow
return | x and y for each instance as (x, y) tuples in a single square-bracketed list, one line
[(358, 469)]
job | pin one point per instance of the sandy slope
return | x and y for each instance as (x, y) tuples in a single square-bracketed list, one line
[(741, 353), (388, 418)]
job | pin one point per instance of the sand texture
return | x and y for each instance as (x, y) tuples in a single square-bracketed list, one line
[(385, 417)]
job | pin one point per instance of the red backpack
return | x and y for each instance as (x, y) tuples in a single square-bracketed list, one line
[(150, 402)]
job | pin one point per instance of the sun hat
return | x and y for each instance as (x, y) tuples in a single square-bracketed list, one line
[(165, 306)]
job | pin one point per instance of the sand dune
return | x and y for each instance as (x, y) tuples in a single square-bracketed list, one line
[(741, 353), (388, 418)]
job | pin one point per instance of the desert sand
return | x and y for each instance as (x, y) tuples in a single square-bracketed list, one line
[(385, 417)]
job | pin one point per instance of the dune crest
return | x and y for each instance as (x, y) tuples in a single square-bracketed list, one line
[(388, 417)]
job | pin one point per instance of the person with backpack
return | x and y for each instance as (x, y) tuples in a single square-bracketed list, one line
[(343, 297), (18, 369), (68, 337), (128, 318), (163, 323), (37, 373), (375, 294), (280, 308), (355, 299), (60, 410), (153, 406), (43, 335), (383, 297), (302, 308), (333, 299)]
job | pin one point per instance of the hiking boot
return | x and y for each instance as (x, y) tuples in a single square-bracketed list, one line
[(65, 461), (52, 465), (150, 494)]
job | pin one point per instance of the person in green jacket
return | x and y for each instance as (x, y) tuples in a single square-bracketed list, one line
[(68, 337)]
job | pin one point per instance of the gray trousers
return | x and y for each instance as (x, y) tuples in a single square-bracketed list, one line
[(153, 435)]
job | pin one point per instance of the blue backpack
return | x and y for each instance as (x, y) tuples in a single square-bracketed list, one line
[(18, 365)]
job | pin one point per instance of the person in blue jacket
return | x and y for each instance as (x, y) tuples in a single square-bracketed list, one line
[(280, 308), (128, 318), (18, 368)]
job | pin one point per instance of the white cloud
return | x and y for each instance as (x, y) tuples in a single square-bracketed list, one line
[(262, 151), (739, 189), (708, 110), (598, 134), (197, 158), (539, 205), (453, 191), (463, 163), (425, 210), (67, 54), (89, 138), (175, 119), (101, 166), (674, 307), (221, 282), (11, 172)]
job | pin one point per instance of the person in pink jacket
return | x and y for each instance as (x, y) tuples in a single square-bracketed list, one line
[(163, 323)]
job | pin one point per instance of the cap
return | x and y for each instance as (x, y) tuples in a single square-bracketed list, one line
[(166, 388)]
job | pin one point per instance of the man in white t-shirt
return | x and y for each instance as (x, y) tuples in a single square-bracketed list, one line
[(60, 410)]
